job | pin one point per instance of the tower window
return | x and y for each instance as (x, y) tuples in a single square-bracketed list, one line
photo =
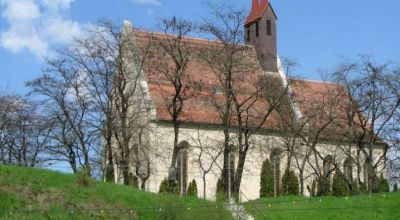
[(269, 27), (257, 30), (248, 33)]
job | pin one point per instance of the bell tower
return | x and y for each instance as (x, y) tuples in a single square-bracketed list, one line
[(260, 31)]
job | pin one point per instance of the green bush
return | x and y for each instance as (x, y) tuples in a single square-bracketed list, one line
[(290, 183), (220, 195), (355, 188), (133, 181), (339, 185), (267, 180), (363, 188), (314, 188), (192, 189), (323, 186), (165, 187), (395, 188), (383, 184), (83, 177)]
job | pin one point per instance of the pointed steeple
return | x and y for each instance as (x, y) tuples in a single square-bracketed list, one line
[(263, 5), (258, 9), (255, 7)]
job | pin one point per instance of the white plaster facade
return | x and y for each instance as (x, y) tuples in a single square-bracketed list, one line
[(159, 138)]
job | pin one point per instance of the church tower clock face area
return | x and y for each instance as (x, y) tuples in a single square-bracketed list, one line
[(260, 31)]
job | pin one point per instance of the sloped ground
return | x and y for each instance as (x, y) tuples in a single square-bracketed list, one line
[(27, 193), (374, 206)]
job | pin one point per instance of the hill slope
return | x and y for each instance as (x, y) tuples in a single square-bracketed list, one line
[(40, 194), (375, 206)]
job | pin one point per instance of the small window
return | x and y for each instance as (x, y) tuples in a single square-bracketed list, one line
[(182, 168), (248, 34), (269, 28), (257, 30)]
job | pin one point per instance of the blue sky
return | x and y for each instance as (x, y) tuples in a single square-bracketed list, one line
[(316, 34)]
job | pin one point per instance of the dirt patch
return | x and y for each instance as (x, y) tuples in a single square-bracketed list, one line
[(43, 198)]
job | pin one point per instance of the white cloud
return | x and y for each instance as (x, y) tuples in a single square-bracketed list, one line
[(35, 25), (20, 10), (147, 2)]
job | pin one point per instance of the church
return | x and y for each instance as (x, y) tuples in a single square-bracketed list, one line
[(315, 106)]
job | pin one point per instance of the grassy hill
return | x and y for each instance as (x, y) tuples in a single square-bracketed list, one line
[(374, 206), (41, 194)]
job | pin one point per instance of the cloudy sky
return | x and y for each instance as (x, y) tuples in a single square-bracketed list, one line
[(316, 34)]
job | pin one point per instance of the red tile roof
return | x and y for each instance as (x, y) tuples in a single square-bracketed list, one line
[(317, 100), (258, 9), (201, 101)]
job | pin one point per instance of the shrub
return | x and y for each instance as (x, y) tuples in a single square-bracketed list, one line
[(323, 186), (165, 187), (363, 188), (355, 188), (383, 184), (192, 189), (339, 185), (395, 188), (83, 177), (133, 181), (267, 180), (290, 183), (314, 188), (220, 195)]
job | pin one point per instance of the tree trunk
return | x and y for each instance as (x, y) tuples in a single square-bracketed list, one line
[(204, 186)]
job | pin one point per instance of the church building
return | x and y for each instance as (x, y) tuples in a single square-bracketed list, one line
[(308, 104)]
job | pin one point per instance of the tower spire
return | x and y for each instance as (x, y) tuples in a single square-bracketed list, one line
[(255, 7)]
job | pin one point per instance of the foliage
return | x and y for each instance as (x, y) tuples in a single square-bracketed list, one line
[(339, 185), (324, 186), (314, 188), (383, 184), (267, 180), (363, 188), (290, 183), (395, 188), (165, 187), (192, 189), (83, 177), (133, 181), (355, 188), (220, 195)]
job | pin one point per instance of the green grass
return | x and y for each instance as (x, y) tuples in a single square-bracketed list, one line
[(40, 194), (374, 206)]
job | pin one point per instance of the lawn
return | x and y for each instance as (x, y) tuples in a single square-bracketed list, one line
[(374, 206), (28, 193)]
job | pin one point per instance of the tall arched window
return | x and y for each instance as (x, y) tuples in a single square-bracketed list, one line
[(327, 165), (182, 166), (275, 158), (368, 174), (232, 165), (348, 169)]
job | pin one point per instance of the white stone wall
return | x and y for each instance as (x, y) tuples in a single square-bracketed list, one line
[(161, 142)]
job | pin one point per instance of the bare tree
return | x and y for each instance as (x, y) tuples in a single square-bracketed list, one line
[(63, 87), (244, 98), (24, 131), (373, 100), (170, 56), (224, 61), (209, 152)]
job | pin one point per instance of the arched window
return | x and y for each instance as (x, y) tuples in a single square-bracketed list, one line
[(182, 166), (368, 174), (232, 165), (348, 169), (327, 166), (275, 158)]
